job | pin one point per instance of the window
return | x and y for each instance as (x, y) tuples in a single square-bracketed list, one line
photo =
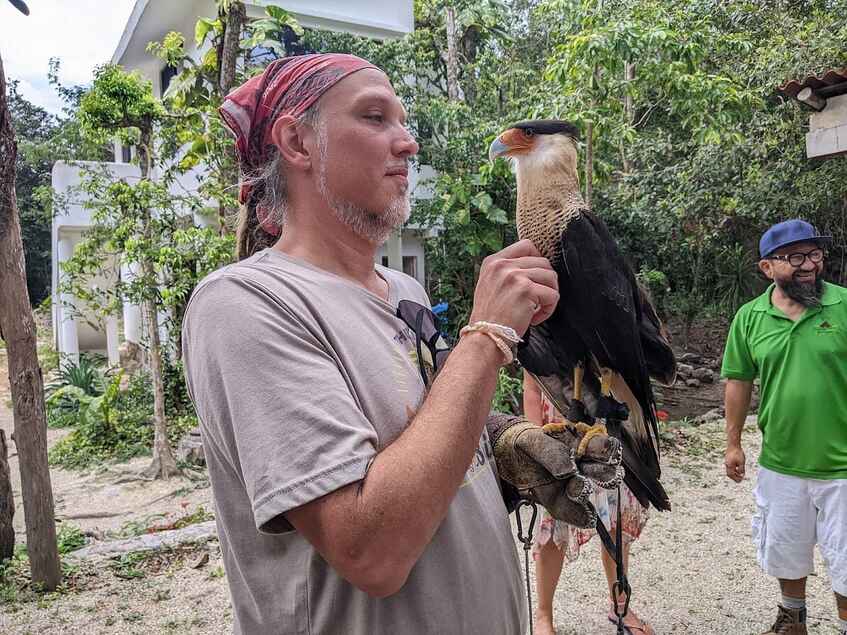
[(126, 154), (385, 261), (165, 77), (410, 266)]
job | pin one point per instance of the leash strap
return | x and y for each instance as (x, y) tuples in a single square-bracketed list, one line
[(615, 549), (527, 544)]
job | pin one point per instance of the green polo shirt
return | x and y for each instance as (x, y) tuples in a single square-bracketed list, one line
[(802, 370)]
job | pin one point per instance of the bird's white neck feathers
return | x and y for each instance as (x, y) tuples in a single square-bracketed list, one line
[(548, 191)]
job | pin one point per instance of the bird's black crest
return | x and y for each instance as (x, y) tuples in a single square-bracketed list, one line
[(549, 126)]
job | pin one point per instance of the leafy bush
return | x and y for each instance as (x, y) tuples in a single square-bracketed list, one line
[(738, 279), (85, 375), (656, 283), (116, 426), (63, 406)]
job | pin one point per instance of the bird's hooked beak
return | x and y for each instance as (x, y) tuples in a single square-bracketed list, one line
[(20, 6), (497, 149)]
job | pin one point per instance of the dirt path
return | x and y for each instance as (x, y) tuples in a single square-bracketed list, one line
[(693, 571)]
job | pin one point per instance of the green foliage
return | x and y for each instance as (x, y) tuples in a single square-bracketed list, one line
[(118, 102), (84, 375), (127, 567), (42, 139), (69, 538), (509, 394), (656, 284), (117, 425), (738, 278)]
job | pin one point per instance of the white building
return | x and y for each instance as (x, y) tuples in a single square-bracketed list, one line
[(74, 330)]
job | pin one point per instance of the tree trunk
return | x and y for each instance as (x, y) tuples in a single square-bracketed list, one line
[(453, 91), (18, 328), (7, 504), (235, 19), (629, 113), (163, 464), (234, 22)]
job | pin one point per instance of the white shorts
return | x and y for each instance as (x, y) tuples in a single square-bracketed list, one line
[(793, 514)]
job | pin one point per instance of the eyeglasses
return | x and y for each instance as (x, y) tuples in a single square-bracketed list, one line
[(798, 258), (430, 345)]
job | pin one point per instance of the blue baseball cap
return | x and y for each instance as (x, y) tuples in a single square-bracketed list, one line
[(789, 232)]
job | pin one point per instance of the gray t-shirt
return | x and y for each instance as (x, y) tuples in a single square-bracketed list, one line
[(300, 378)]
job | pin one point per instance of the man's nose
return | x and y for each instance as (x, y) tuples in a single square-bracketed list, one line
[(406, 146)]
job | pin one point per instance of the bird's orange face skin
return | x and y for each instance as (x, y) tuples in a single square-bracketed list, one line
[(517, 141)]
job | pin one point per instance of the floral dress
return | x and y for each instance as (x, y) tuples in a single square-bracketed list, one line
[(569, 538)]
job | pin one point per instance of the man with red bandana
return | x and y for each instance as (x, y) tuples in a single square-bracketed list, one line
[(350, 496), (793, 338)]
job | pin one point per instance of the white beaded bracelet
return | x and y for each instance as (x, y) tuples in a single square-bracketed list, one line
[(504, 337)]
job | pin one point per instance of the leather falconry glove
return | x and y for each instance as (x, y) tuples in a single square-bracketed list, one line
[(543, 466)]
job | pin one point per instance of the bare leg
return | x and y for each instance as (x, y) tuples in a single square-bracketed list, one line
[(631, 620), (548, 568), (793, 588), (610, 569)]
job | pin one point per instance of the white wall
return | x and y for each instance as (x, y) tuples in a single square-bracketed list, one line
[(827, 136)]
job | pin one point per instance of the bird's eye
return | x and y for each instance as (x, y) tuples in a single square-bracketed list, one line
[(529, 132)]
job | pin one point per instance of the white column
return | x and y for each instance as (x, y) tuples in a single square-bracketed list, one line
[(112, 340), (132, 312), (68, 337), (394, 249)]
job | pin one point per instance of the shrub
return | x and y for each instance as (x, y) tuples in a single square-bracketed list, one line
[(85, 375), (63, 406), (117, 425)]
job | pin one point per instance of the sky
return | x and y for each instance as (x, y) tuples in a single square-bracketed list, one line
[(81, 33)]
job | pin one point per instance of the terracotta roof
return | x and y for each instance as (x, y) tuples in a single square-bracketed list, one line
[(829, 84)]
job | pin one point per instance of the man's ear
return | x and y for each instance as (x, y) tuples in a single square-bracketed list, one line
[(288, 137), (766, 267)]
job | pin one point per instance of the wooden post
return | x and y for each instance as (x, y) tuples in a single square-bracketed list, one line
[(18, 328), (7, 504)]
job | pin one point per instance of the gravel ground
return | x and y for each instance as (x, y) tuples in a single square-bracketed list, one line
[(693, 571)]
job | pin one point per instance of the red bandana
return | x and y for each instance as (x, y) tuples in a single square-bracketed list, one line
[(287, 86)]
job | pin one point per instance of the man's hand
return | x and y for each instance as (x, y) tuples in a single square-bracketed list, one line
[(516, 287), (541, 464), (735, 461)]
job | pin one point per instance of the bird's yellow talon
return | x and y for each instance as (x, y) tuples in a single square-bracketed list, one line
[(598, 429), (554, 428)]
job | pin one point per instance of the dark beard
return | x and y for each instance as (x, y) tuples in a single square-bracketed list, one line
[(809, 295)]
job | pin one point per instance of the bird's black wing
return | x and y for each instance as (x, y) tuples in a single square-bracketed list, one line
[(661, 361), (600, 301)]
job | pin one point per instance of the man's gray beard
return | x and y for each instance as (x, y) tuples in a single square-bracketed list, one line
[(809, 295), (373, 226)]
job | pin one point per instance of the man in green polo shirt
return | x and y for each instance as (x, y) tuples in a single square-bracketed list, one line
[(793, 338)]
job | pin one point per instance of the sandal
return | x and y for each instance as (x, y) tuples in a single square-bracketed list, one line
[(633, 625)]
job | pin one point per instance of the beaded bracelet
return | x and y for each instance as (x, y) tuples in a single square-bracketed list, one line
[(504, 337)]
